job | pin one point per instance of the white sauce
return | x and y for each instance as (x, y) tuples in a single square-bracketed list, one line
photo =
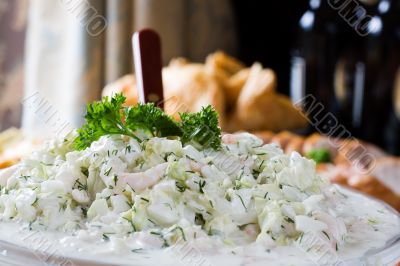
[(163, 202), (93, 249)]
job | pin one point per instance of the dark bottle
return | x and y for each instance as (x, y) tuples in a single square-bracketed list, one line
[(314, 57), (266, 31), (392, 132), (362, 90)]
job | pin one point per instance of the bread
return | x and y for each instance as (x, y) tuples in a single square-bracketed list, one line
[(14, 146), (260, 83), (233, 86), (224, 63), (244, 97), (271, 112), (189, 87), (125, 85), (230, 74)]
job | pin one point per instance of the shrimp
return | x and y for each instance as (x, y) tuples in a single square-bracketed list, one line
[(229, 139), (195, 166), (141, 181), (252, 231)]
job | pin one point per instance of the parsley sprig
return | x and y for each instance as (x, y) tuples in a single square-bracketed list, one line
[(151, 119), (103, 118), (110, 117), (201, 127)]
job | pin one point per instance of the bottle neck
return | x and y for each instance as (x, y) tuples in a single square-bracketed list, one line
[(319, 17)]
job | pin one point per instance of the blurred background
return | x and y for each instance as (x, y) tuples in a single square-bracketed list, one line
[(345, 53)]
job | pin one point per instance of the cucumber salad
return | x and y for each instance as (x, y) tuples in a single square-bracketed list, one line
[(135, 173)]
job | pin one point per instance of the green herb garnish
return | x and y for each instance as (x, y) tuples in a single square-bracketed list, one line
[(202, 128), (109, 117), (151, 119), (319, 155), (102, 118)]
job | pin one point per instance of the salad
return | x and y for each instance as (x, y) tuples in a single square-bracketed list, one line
[(136, 173)]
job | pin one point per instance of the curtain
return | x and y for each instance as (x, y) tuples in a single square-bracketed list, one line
[(12, 34), (75, 47)]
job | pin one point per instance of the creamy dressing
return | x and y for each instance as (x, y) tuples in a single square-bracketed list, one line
[(161, 201), (93, 248)]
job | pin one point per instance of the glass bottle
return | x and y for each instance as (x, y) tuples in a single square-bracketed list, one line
[(361, 88), (314, 57)]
